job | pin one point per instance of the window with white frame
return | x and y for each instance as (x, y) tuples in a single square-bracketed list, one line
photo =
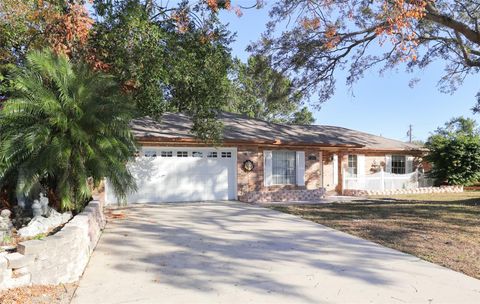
[(284, 167), (226, 154), (212, 154), (398, 164), (352, 168), (197, 154), (182, 154), (149, 153), (166, 154)]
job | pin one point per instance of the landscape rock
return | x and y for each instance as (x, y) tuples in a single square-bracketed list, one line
[(17, 260), (31, 247), (58, 258), (40, 224)]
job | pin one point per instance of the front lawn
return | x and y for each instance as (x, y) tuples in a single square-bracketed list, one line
[(441, 228)]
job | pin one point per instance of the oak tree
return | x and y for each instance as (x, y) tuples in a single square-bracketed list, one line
[(319, 38)]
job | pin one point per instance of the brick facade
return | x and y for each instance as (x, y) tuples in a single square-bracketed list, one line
[(250, 185), (283, 195), (319, 171)]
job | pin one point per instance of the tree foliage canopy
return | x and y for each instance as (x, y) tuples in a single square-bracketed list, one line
[(325, 36), (261, 92), (168, 58), (168, 62), (65, 124), (455, 152), (62, 25)]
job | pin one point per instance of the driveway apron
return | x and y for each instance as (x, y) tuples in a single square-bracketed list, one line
[(229, 252)]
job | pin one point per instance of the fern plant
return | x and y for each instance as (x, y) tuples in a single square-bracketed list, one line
[(64, 124)]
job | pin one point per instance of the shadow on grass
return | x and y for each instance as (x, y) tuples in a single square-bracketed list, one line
[(461, 212), (445, 232)]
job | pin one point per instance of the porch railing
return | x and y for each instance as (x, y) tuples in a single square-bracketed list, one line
[(382, 181)]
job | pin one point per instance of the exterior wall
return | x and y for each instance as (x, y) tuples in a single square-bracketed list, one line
[(254, 180), (251, 186), (313, 169), (60, 258), (374, 161), (319, 172)]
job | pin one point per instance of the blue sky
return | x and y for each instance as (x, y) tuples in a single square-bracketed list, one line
[(380, 105)]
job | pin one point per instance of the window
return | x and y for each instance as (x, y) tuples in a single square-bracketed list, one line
[(150, 154), (226, 154), (182, 154), (197, 154), (212, 154), (284, 168), (166, 154), (398, 164), (352, 165)]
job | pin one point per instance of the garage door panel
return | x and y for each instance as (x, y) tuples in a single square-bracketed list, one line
[(173, 179)]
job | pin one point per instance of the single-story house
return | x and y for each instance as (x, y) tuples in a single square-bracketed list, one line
[(257, 161)]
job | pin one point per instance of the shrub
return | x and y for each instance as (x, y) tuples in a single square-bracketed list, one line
[(65, 123)]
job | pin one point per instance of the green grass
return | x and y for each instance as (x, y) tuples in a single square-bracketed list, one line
[(441, 228)]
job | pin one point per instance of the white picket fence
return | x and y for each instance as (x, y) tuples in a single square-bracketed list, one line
[(382, 181)]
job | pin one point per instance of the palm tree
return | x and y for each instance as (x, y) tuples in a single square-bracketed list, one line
[(65, 124)]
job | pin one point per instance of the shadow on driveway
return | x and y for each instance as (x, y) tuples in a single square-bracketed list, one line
[(228, 252)]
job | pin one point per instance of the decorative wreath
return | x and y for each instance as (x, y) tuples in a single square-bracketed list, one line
[(248, 165)]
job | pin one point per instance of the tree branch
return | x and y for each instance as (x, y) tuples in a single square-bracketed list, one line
[(447, 21)]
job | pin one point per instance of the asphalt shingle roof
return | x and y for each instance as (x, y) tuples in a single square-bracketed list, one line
[(242, 128)]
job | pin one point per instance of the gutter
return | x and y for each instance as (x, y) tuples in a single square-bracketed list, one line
[(277, 142)]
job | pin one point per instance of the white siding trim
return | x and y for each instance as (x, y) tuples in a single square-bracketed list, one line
[(335, 170), (321, 169), (388, 163), (360, 164), (361, 170), (267, 168), (409, 164), (300, 164)]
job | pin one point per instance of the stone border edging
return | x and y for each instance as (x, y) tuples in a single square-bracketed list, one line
[(441, 189), (283, 195), (59, 258)]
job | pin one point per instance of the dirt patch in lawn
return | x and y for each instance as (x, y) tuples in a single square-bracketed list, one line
[(42, 294), (443, 231)]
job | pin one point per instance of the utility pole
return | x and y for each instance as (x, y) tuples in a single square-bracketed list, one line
[(409, 133)]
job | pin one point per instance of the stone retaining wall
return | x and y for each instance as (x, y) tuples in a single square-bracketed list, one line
[(441, 189), (59, 258), (282, 195)]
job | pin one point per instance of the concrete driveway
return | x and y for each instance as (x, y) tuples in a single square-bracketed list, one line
[(229, 252)]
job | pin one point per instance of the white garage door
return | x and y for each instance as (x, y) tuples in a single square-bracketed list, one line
[(165, 174)]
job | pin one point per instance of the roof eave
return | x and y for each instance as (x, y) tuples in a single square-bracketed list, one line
[(182, 140)]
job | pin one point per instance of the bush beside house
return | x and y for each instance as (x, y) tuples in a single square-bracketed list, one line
[(454, 152)]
